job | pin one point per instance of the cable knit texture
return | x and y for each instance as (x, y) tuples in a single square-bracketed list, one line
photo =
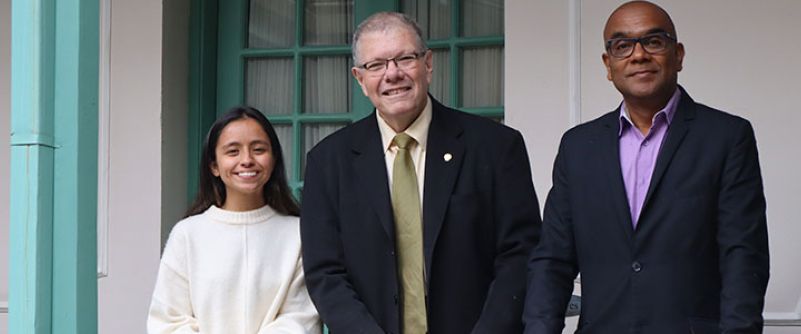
[(233, 272)]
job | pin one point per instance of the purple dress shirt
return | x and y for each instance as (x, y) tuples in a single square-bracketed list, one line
[(638, 153)]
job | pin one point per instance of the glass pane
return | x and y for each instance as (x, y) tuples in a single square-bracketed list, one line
[(328, 22), (482, 77), (271, 23), (440, 86), (433, 16), (270, 85), (482, 18), (284, 133), (327, 84), (313, 134)]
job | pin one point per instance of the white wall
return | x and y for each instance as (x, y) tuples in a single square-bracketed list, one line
[(149, 81), (135, 166), (742, 56), (538, 82), (5, 151)]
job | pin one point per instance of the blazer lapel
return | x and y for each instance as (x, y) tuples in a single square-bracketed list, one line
[(371, 171), (444, 156), (679, 126), (610, 151)]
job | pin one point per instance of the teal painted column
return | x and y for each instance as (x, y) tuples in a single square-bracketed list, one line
[(32, 146), (75, 175), (53, 274)]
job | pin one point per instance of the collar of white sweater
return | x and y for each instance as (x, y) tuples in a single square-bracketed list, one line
[(257, 216)]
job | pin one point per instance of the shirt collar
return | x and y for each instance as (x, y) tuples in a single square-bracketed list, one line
[(417, 130), (668, 111)]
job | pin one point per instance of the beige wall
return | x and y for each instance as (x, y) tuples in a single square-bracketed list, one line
[(5, 151), (742, 56)]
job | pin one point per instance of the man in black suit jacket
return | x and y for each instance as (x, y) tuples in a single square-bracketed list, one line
[(480, 217), (668, 239)]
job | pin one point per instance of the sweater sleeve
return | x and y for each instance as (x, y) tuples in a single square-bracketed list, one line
[(171, 307), (298, 314)]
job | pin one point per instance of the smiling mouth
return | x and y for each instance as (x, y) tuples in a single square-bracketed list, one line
[(246, 174), (642, 73), (395, 91)]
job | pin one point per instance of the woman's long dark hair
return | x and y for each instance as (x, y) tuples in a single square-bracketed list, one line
[(211, 189)]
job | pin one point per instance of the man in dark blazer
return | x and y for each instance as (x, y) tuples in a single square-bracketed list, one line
[(480, 217), (658, 204)]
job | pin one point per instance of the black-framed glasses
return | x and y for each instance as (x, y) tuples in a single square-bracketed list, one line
[(404, 61), (651, 43)]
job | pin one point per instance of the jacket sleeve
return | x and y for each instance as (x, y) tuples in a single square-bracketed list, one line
[(553, 265), (517, 226), (742, 237), (339, 305), (171, 307)]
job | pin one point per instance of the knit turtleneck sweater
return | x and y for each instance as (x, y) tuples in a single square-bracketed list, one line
[(233, 272)]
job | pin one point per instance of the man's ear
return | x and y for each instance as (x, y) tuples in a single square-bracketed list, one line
[(606, 60), (679, 56), (359, 76), (429, 63)]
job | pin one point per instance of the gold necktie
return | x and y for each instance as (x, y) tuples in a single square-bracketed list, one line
[(409, 236)]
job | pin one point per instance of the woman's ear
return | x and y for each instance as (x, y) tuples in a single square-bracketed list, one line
[(214, 170)]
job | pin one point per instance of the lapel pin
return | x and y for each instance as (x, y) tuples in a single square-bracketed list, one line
[(447, 157)]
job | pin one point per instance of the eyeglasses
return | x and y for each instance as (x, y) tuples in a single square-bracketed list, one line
[(406, 61), (652, 43)]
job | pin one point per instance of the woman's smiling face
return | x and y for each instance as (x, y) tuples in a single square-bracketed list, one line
[(244, 161)]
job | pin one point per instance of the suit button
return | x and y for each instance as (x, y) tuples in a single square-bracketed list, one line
[(636, 267), (392, 253), (396, 299)]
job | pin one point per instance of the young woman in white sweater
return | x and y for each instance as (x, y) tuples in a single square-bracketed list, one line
[(233, 265)]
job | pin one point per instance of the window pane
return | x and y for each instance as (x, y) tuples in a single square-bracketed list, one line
[(313, 134), (440, 86), (271, 23), (433, 16), (328, 22), (284, 133), (327, 84), (482, 18), (482, 77), (270, 85)]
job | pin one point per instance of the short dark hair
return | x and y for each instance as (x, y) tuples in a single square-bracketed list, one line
[(383, 21), (211, 189)]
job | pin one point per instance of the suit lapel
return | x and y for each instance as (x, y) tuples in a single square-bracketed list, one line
[(679, 126), (440, 173), (371, 171), (610, 146)]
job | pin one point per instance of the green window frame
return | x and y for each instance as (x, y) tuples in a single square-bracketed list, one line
[(217, 78)]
